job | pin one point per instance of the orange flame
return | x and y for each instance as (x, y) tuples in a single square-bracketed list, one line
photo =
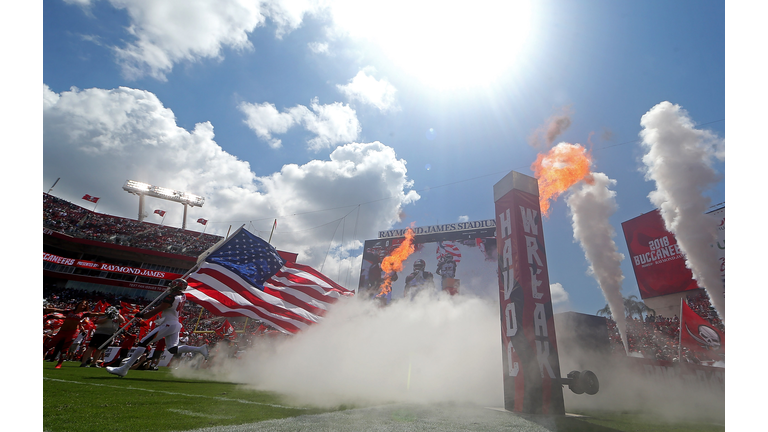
[(394, 261), (562, 167)]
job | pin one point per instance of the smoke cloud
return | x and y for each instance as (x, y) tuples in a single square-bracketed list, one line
[(545, 135), (627, 385), (591, 207), (435, 348), (679, 159)]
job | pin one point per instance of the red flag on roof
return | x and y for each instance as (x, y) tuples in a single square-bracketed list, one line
[(160, 212), (202, 221), (245, 276), (90, 198), (699, 335)]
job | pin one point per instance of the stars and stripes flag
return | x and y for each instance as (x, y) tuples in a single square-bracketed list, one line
[(245, 276), (90, 198), (448, 248), (160, 212)]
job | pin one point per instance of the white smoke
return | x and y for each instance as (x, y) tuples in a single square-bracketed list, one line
[(591, 206), (679, 159), (433, 349)]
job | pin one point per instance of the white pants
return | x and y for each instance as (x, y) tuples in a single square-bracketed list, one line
[(169, 331)]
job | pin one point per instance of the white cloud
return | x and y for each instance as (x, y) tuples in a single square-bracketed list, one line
[(464, 218), (173, 31), (318, 47), (165, 33), (332, 124), (97, 139), (559, 294), (367, 89), (289, 14), (81, 3), (264, 119)]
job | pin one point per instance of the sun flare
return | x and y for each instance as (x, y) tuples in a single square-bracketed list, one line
[(443, 44)]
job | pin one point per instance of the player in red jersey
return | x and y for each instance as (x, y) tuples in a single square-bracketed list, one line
[(167, 327), (68, 330)]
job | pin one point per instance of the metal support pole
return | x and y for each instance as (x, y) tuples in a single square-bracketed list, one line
[(141, 207), (184, 221)]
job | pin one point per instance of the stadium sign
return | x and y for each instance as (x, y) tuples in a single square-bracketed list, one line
[(437, 229), (659, 264), (109, 267)]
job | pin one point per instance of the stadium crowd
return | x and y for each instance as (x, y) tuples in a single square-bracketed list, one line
[(199, 326), (71, 219), (658, 337)]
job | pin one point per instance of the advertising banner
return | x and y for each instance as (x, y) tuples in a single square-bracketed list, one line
[(531, 367), (657, 260), (109, 267)]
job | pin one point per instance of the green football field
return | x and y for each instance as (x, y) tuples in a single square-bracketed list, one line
[(90, 399)]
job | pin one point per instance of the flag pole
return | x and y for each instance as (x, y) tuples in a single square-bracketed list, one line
[(680, 334), (54, 185), (273, 230), (167, 291), (129, 323)]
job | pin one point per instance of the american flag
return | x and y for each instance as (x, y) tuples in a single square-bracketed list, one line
[(448, 248), (245, 276), (90, 198), (160, 212)]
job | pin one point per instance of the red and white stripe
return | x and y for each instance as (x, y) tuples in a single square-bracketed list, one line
[(449, 248), (294, 298)]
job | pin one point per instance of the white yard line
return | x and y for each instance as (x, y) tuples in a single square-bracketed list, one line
[(174, 393), (197, 414)]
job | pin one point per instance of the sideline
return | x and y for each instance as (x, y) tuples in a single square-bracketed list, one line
[(176, 394)]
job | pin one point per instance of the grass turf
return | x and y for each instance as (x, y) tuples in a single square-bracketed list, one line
[(90, 399)]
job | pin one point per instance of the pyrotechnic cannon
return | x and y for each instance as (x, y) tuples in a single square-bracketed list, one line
[(582, 382)]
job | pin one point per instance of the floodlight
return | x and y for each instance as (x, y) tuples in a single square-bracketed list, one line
[(143, 189), (135, 187)]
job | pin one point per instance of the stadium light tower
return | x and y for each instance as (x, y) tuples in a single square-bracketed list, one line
[(144, 189)]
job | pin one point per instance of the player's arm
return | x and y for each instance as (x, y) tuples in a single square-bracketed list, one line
[(165, 304), (50, 310)]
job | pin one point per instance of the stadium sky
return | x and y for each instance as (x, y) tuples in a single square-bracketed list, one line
[(343, 118)]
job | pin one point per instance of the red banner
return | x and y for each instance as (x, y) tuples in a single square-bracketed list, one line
[(157, 274), (699, 336), (531, 364), (658, 262)]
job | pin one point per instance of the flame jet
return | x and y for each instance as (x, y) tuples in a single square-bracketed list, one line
[(393, 262), (563, 166)]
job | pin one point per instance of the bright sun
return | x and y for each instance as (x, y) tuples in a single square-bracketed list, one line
[(442, 43)]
